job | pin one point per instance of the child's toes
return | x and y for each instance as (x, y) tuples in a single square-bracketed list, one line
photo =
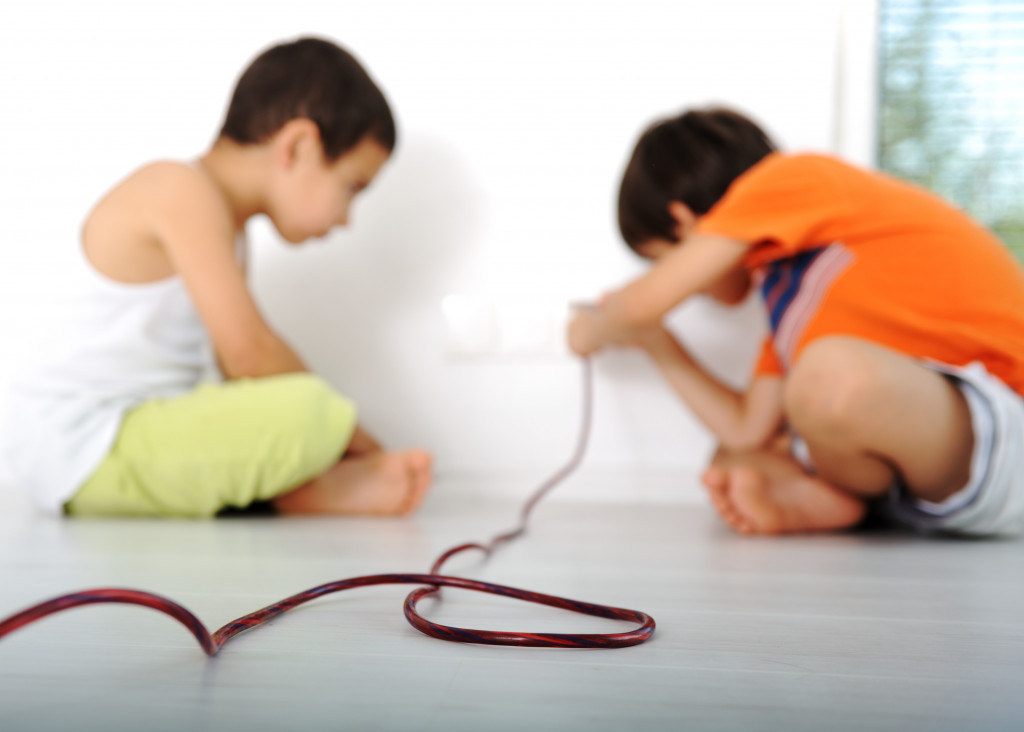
[(714, 477), (412, 500), (717, 482), (418, 465), (419, 459), (423, 464), (736, 521), (719, 499)]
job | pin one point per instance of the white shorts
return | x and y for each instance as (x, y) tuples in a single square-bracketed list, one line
[(992, 502)]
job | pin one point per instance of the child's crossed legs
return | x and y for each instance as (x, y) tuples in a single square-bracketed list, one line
[(290, 440), (870, 417)]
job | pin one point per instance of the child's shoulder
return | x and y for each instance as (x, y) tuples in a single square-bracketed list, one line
[(786, 172), (164, 189), (128, 234), (808, 161), (174, 178)]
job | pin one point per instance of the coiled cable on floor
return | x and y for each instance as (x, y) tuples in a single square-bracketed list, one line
[(433, 582)]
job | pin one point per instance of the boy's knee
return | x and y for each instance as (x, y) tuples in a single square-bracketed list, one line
[(312, 426), (829, 382), (307, 390), (311, 404)]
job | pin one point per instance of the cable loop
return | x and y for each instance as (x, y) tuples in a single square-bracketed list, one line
[(433, 582)]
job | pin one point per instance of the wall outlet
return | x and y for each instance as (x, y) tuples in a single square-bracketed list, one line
[(484, 327)]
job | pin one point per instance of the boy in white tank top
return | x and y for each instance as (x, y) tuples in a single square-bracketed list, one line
[(125, 424)]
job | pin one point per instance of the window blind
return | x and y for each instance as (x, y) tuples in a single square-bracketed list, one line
[(952, 104)]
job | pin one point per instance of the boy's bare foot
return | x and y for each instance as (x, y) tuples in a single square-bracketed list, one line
[(379, 484), (767, 494)]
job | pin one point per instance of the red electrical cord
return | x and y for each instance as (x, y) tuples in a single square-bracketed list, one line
[(434, 581)]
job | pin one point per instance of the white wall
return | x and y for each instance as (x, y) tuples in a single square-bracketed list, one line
[(515, 120)]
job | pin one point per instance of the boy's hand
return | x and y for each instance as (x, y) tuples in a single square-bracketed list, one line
[(587, 333), (584, 330)]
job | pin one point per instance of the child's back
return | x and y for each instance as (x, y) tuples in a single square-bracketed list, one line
[(848, 251)]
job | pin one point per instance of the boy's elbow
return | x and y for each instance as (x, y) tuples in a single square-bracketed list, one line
[(238, 366), (244, 359)]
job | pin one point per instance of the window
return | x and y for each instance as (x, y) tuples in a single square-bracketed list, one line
[(952, 104)]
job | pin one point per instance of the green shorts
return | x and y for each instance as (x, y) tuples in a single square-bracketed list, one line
[(221, 445)]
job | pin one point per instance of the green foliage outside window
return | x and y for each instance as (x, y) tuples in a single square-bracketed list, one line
[(952, 105)]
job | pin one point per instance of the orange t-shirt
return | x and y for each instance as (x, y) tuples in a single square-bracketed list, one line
[(839, 250)]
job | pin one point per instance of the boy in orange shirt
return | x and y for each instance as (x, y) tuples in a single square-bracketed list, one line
[(894, 369)]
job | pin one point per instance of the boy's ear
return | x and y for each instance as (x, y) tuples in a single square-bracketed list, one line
[(684, 218), (297, 139)]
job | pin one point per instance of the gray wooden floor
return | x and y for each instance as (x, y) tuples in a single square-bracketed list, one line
[(874, 631)]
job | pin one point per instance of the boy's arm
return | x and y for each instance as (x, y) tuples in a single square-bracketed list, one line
[(194, 225), (688, 269), (740, 420), (195, 228)]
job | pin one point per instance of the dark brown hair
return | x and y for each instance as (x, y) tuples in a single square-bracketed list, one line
[(692, 158), (313, 79)]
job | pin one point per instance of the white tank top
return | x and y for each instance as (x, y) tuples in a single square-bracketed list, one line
[(126, 344)]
